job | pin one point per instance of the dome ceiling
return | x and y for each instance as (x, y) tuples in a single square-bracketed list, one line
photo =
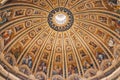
[(60, 39)]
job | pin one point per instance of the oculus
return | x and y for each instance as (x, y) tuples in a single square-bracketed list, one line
[(60, 19)]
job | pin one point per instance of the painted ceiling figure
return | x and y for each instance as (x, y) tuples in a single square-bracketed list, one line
[(2, 19)]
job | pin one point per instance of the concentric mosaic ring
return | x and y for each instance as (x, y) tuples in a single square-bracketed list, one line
[(60, 27)]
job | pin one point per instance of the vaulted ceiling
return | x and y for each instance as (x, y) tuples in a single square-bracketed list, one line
[(84, 45)]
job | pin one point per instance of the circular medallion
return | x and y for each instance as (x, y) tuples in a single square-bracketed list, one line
[(60, 19)]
